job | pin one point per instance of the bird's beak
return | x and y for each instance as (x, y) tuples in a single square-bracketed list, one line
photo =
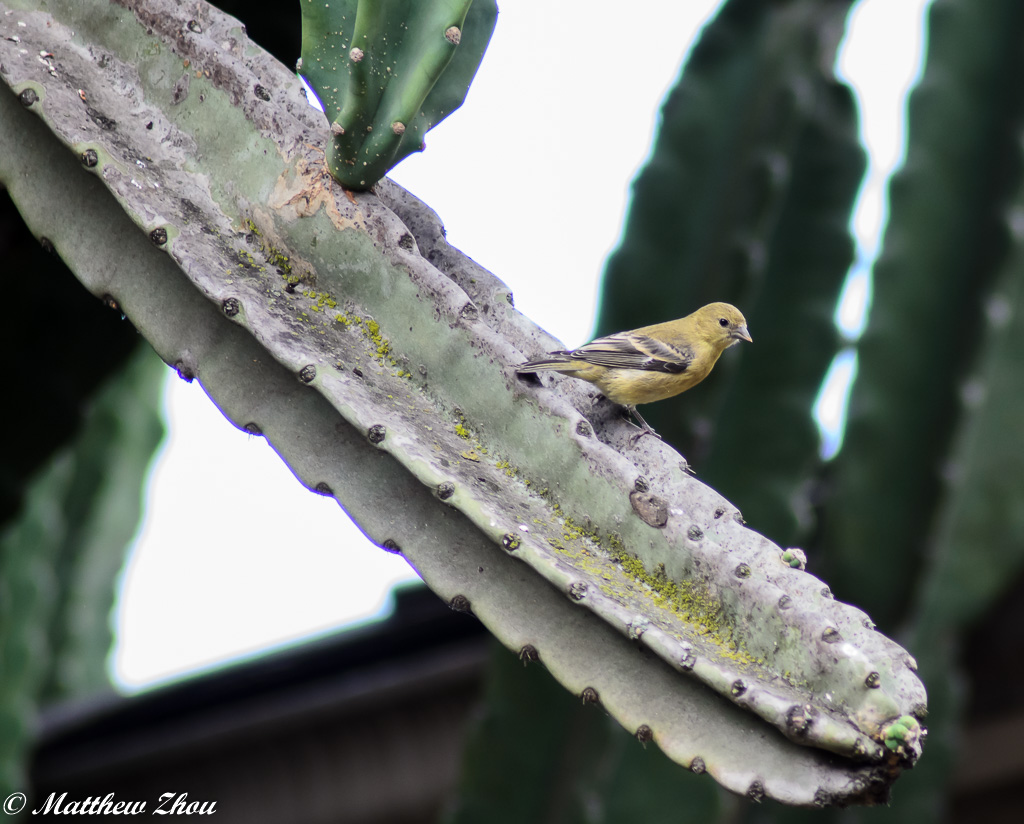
[(741, 332)]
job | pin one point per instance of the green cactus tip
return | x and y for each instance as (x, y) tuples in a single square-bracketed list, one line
[(795, 558), (903, 736), (388, 71)]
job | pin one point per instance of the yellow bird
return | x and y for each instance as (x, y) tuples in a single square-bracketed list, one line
[(653, 362)]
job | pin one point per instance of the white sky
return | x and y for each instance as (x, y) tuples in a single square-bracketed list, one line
[(531, 178)]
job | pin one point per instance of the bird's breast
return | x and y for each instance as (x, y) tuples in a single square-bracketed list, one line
[(633, 386)]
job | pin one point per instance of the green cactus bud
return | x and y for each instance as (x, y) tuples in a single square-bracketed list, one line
[(388, 71), (795, 558), (903, 736)]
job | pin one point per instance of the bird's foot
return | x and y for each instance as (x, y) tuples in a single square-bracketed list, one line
[(645, 428), (636, 436)]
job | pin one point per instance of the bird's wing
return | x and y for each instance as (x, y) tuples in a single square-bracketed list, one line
[(633, 351), (555, 359)]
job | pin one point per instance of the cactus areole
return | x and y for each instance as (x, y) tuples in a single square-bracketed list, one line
[(388, 71)]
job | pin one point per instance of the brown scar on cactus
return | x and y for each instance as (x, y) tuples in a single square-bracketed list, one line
[(307, 187)]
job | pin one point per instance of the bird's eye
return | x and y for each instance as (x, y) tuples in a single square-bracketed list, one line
[(723, 322)]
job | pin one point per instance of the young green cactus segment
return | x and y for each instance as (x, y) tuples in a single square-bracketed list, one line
[(388, 71), (904, 735)]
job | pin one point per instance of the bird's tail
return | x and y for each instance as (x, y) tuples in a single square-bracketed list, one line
[(559, 360)]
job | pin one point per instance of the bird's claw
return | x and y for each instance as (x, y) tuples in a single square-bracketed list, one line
[(645, 428), (636, 436)]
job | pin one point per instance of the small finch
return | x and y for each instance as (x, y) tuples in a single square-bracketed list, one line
[(654, 362)]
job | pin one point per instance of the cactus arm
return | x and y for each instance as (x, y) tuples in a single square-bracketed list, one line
[(101, 512), (975, 549), (390, 75), (29, 588), (59, 558), (434, 43), (342, 305), (945, 240), (978, 543)]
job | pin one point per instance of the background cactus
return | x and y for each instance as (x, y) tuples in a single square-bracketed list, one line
[(388, 72), (60, 557), (742, 210), (75, 448), (925, 484)]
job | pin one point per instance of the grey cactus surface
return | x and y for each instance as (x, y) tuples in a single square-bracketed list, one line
[(388, 72), (378, 361)]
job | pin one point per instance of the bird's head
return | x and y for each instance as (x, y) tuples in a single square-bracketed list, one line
[(722, 324)]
